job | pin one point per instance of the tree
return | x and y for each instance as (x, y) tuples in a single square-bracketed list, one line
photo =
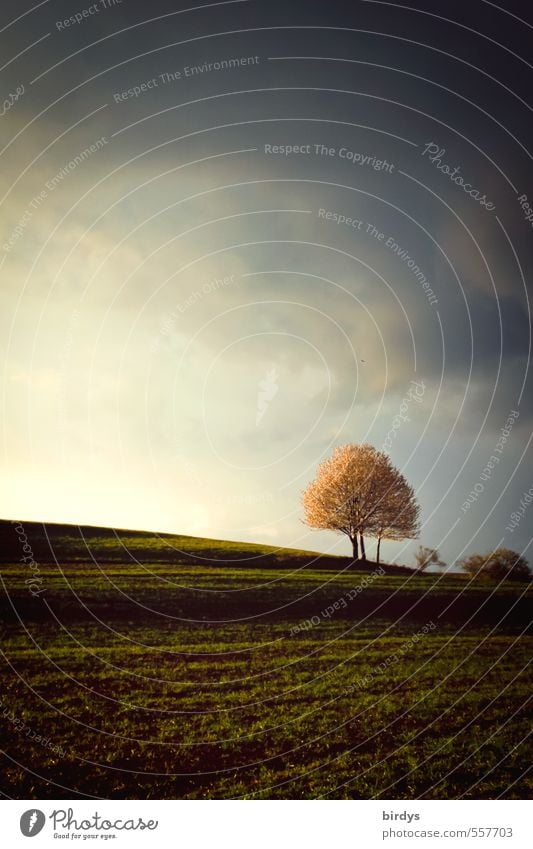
[(397, 513), (358, 491), (499, 564), (426, 556)]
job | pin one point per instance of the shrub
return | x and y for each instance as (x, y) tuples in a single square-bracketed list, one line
[(499, 564)]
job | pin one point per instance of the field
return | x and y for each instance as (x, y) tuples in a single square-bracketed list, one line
[(176, 667)]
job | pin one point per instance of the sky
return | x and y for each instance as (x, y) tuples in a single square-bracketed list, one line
[(236, 235)]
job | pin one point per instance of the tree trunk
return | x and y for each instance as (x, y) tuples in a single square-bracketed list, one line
[(355, 547), (363, 552), (379, 544)]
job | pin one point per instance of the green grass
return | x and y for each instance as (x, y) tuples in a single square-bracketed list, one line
[(184, 675)]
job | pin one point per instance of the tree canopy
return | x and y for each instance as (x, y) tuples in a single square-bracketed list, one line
[(358, 492)]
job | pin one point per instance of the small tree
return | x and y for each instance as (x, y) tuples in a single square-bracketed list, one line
[(358, 491), (397, 513), (499, 564), (425, 556)]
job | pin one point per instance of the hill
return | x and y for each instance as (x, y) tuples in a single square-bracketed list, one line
[(80, 572)]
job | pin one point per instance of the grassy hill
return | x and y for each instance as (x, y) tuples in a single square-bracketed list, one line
[(167, 666), (83, 570)]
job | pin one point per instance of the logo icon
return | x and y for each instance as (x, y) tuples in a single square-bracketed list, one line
[(32, 822), (267, 390)]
